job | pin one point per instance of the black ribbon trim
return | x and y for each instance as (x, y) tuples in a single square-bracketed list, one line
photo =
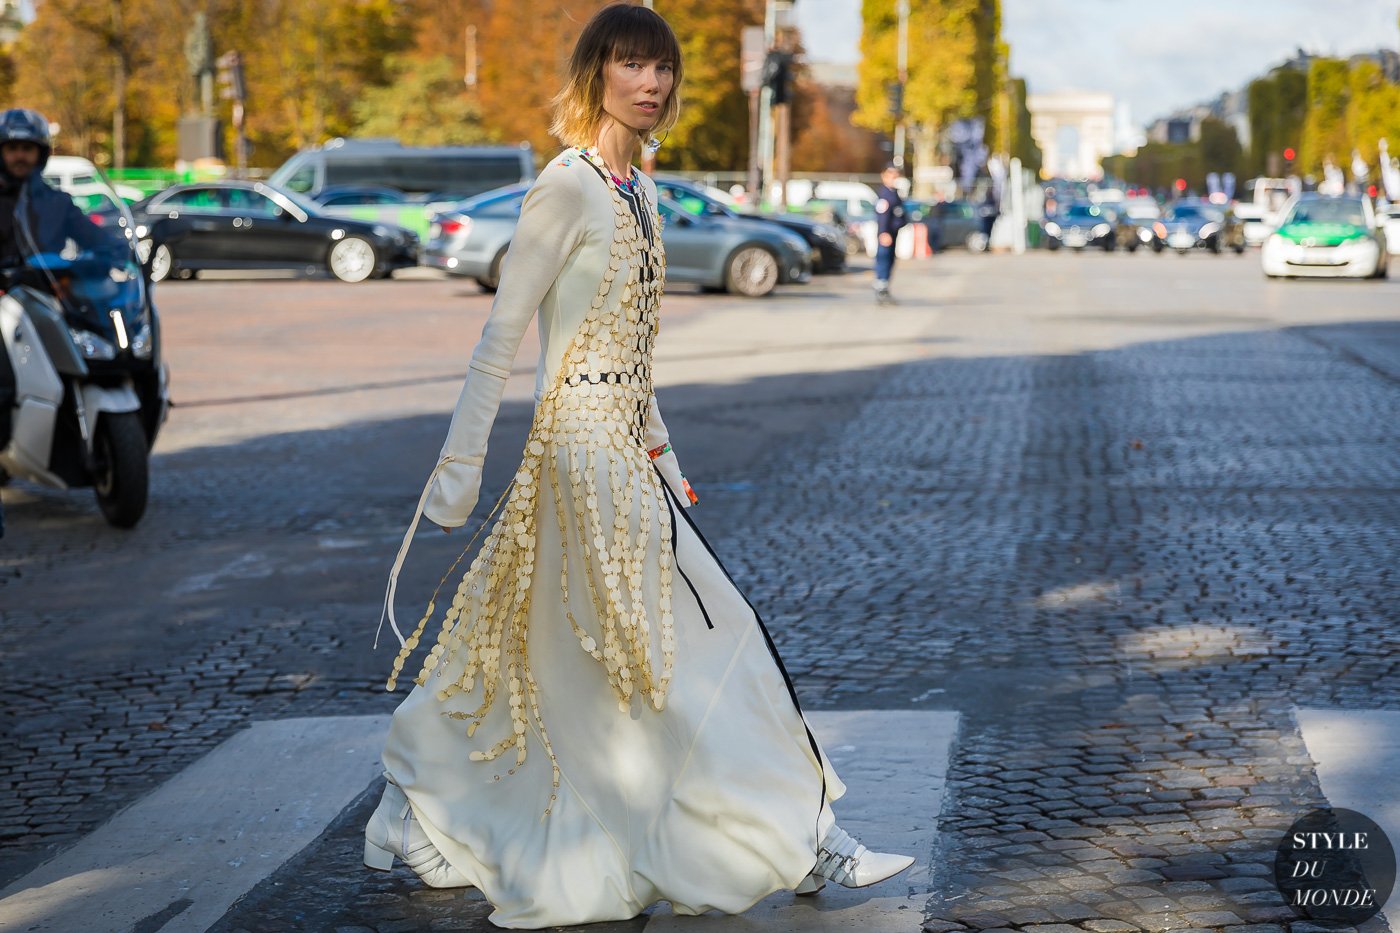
[(768, 638), (676, 557)]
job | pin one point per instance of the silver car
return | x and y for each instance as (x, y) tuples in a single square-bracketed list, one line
[(716, 253)]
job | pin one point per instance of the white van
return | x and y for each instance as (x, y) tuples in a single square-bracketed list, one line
[(75, 173)]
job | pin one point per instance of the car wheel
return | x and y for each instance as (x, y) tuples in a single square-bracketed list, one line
[(752, 271), (352, 259), (161, 263), (1239, 250), (1157, 247), (1132, 247), (1052, 245), (976, 242), (492, 281)]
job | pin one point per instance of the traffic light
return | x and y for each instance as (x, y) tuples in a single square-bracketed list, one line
[(777, 75), (1181, 184), (895, 91), (1288, 154), (230, 77)]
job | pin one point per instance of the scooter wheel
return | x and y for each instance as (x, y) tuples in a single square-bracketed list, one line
[(122, 477)]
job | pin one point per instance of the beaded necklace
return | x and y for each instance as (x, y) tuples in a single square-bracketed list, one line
[(628, 184)]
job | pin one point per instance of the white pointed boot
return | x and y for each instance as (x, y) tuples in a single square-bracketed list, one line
[(393, 831), (850, 864)]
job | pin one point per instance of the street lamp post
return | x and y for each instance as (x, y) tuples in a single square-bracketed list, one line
[(903, 67)]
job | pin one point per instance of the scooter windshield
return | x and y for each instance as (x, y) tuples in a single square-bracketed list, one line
[(78, 243)]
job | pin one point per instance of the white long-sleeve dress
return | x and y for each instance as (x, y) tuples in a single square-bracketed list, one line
[(603, 721)]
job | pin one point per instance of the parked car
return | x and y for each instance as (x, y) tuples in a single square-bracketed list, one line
[(349, 196), (1191, 223), (1320, 235), (471, 238), (737, 256), (714, 252), (251, 225), (826, 241), (1078, 225), (438, 173), (67, 172), (949, 223)]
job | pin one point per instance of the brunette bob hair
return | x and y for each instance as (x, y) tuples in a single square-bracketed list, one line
[(619, 32)]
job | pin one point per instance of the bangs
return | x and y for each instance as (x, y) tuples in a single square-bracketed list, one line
[(643, 38)]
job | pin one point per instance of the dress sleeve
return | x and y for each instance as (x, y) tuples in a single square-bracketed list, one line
[(658, 437), (550, 228)]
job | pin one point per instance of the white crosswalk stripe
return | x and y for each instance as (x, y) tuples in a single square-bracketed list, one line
[(185, 852)]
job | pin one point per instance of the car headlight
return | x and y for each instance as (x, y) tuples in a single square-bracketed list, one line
[(828, 232), (1160, 229), (382, 231), (1052, 228), (93, 346), (1209, 229), (1102, 230), (142, 345)]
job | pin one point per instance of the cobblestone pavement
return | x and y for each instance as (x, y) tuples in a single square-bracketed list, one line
[(1124, 536)]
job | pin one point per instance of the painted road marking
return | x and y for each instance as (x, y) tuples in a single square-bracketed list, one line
[(186, 851), (177, 859), (895, 765)]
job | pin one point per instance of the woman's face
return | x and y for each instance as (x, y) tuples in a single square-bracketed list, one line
[(635, 90)]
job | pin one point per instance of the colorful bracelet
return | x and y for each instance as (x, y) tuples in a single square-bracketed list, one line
[(659, 451)]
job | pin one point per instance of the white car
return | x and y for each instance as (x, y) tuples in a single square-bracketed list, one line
[(67, 172), (1329, 236), (1392, 229), (1256, 226)]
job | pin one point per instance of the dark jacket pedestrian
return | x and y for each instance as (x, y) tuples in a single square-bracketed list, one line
[(890, 217)]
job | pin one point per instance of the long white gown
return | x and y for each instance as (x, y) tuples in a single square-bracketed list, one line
[(604, 722)]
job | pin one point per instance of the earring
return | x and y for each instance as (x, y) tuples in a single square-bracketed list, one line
[(654, 144)]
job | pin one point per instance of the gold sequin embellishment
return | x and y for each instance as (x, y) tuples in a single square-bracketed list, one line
[(588, 430)]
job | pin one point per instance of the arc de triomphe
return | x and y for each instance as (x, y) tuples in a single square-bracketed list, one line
[(1090, 114)]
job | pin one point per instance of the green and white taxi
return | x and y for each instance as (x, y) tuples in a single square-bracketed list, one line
[(1319, 235)]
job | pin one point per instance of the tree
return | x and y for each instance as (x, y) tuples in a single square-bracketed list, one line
[(116, 28), (1325, 126), (424, 105), (713, 130), (956, 67), (1278, 104), (1220, 148)]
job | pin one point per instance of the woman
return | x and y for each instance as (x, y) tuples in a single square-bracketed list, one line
[(602, 722)]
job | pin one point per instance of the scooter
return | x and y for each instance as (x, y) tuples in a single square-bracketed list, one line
[(90, 389)]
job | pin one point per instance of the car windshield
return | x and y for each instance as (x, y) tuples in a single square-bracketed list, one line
[(498, 201), (1083, 212), (1193, 212), (1328, 211)]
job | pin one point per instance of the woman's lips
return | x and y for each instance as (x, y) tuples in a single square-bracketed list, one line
[(647, 107)]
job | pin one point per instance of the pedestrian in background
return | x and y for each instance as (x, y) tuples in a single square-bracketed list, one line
[(889, 218)]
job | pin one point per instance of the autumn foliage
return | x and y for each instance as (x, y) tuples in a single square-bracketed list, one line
[(317, 69)]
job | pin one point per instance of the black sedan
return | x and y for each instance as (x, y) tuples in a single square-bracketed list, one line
[(827, 241), (250, 225)]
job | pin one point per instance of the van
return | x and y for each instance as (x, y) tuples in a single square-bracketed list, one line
[(436, 173)]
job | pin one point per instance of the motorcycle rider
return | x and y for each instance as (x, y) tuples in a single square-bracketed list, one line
[(51, 218)]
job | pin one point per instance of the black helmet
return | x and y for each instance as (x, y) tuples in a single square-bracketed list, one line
[(22, 125)]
